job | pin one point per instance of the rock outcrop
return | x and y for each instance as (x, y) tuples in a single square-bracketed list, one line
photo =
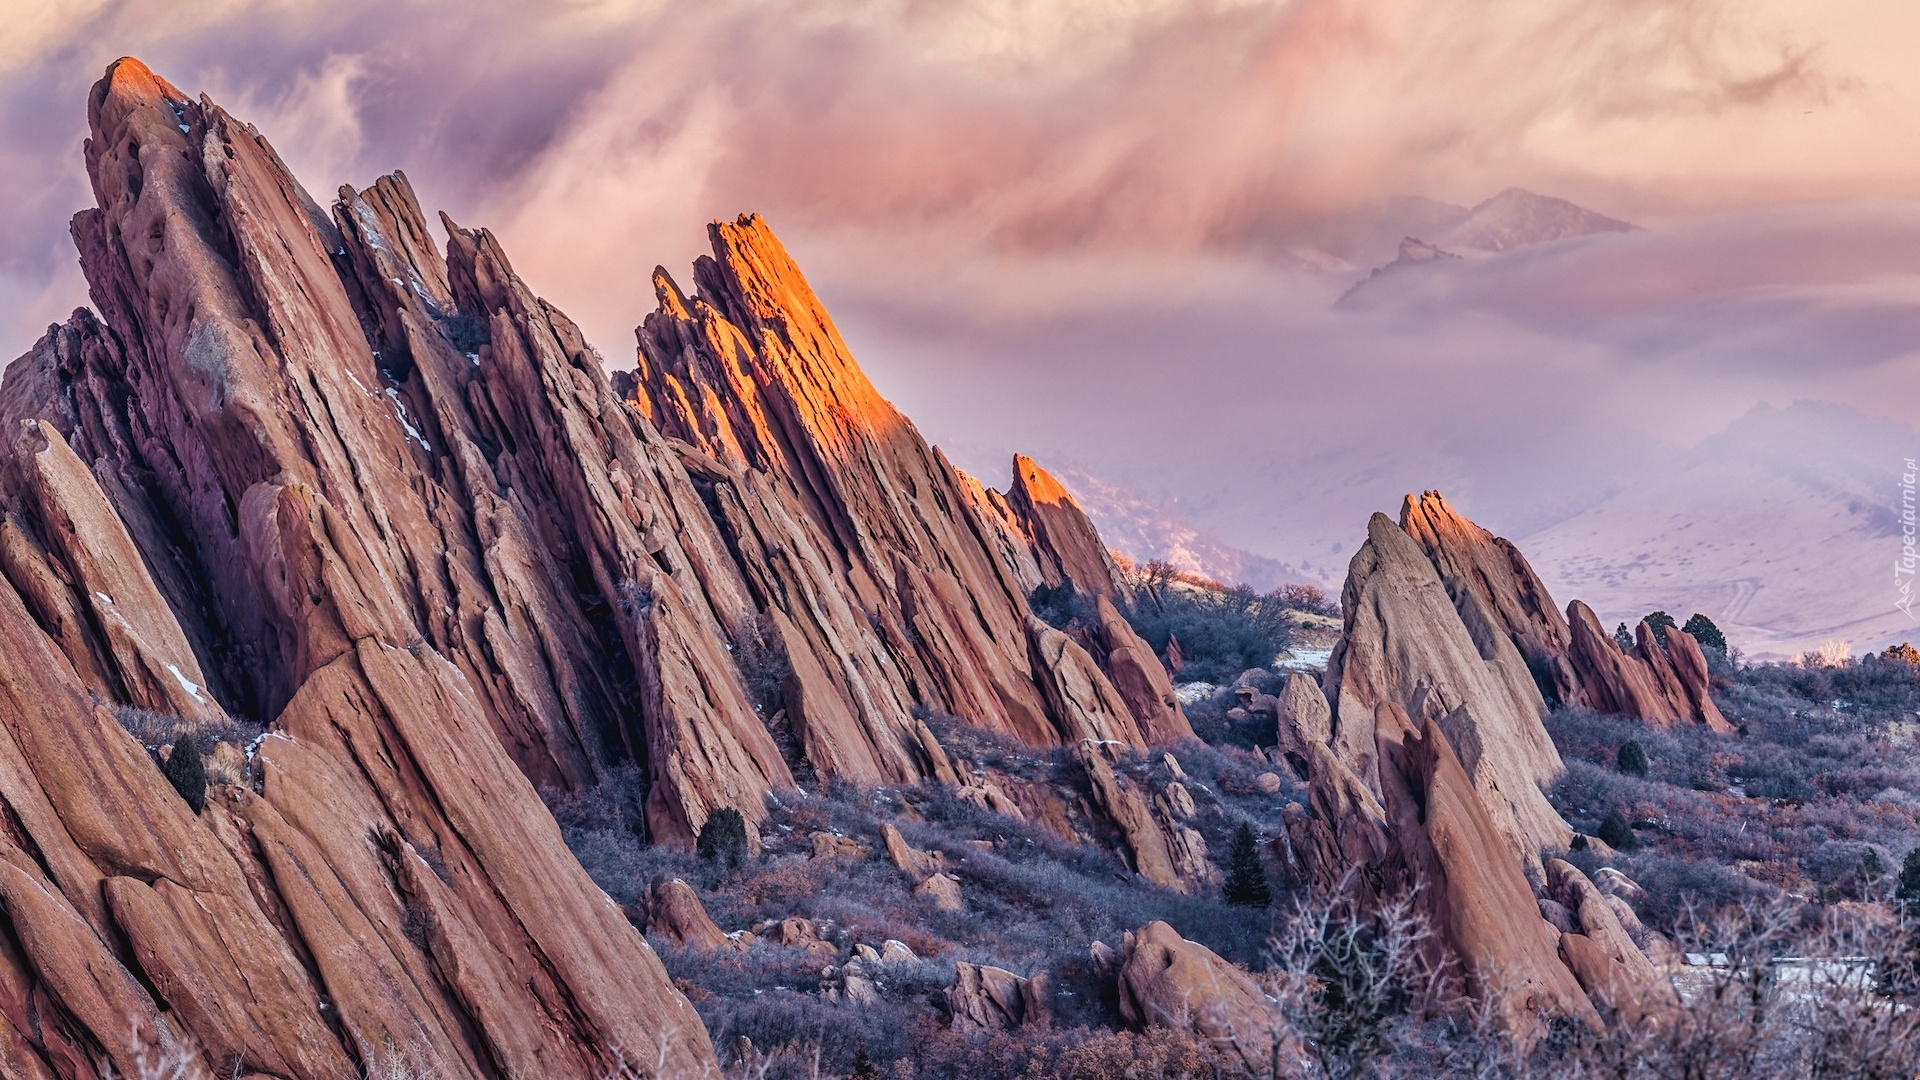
[(674, 912), (986, 998), (1664, 686), (1405, 644), (308, 473), (1168, 981), (1472, 560), (1161, 849), (1571, 659), (1066, 548), (221, 502), (1427, 764)]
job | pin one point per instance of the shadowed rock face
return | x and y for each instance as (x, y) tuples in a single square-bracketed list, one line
[(305, 471)]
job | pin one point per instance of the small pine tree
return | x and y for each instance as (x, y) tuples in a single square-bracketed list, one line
[(1622, 637), (723, 839), (1246, 878), (1658, 619), (863, 1066), (1909, 891), (187, 772), (1899, 973), (1704, 632), (1633, 758), (1616, 833)]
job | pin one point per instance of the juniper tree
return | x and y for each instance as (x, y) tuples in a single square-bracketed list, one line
[(723, 839), (1616, 833), (1622, 638), (187, 772), (1633, 758), (1659, 622), (1246, 877), (1704, 632)]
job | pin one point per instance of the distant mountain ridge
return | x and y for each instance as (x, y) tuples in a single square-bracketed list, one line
[(1515, 218), (1519, 218)]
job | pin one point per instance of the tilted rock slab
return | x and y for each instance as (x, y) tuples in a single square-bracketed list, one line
[(1066, 548), (394, 891), (1404, 644), (1472, 560)]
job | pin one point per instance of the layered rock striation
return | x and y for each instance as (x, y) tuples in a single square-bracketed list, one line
[(306, 473), (1427, 763)]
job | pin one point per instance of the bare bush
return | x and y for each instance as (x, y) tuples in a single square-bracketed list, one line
[(1353, 981)]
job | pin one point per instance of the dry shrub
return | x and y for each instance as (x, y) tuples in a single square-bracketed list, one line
[(1077, 1053)]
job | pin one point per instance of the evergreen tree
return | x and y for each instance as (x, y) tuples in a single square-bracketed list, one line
[(187, 773), (1622, 637), (1909, 891), (863, 1066), (723, 839), (1633, 758), (1616, 833), (1899, 974), (1246, 877), (1704, 632), (1659, 619)]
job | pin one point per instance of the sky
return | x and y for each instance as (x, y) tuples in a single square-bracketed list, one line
[(1112, 233)]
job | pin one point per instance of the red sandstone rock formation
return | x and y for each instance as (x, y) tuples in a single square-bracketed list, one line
[(1469, 880), (1664, 686), (306, 470), (229, 502), (989, 998), (1659, 681), (1427, 779), (675, 913), (1405, 644), (1065, 546), (1471, 559), (1167, 981)]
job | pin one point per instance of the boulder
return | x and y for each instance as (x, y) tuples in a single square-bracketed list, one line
[(989, 998), (1627, 983), (849, 984), (944, 891), (674, 912), (907, 858), (1167, 981), (828, 845)]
